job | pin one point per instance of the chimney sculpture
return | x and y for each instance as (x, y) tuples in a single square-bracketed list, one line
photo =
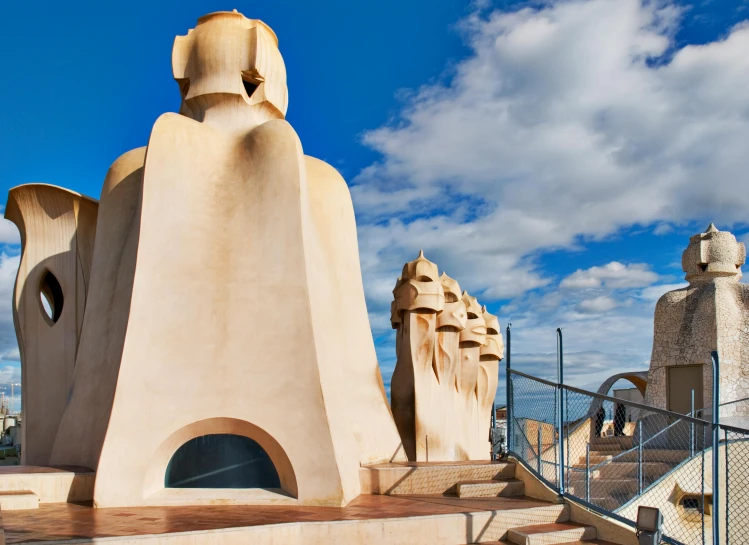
[(445, 377), (224, 267), (711, 313)]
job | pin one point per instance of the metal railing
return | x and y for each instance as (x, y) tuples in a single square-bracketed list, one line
[(612, 455)]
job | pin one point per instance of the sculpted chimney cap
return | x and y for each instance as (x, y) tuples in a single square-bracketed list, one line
[(492, 322), (229, 55), (451, 288), (472, 305), (494, 346), (235, 13), (420, 269), (712, 254), (475, 330)]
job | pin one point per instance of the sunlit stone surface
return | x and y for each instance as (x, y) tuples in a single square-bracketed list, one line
[(219, 292), (445, 378), (712, 313)]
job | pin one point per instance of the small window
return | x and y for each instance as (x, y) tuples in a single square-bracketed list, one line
[(50, 295), (692, 503)]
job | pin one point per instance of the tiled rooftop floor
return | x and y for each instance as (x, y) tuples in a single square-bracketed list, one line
[(68, 521)]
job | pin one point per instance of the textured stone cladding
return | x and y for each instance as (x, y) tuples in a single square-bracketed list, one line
[(711, 313)]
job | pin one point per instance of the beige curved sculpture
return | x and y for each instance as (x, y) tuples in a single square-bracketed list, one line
[(450, 322), (86, 418), (711, 313), (445, 378), (57, 229), (418, 298), (492, 351), (226, 296), (472, 338)]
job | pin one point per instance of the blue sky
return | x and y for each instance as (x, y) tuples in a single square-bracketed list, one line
[(553, 157)]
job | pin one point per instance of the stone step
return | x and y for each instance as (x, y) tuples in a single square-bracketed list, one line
[(629, 469), (608, 444), (17, 500), (495, 527), (619, 488), (490, 488), (618, 470), (429, 477), (651, 455), (594, 459), (551, 534), (50, 484)]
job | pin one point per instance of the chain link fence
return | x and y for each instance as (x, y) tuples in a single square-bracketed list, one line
[(617, 455), (736, 467)]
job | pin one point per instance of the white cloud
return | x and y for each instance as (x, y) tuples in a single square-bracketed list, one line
[(602, 303), (567, 123), (653, 293), (613, 275), (8, 270), (10, 374), (9, 232)]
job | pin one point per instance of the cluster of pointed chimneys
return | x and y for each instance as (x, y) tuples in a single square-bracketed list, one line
[(445, 379)]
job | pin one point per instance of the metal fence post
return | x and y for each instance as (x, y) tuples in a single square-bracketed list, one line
[(702, 481), (508, 392), (587, 472), (566, 405), (538, 446), (639, 458), (560, 409), (728, 488), (716, 444), (691, 430)]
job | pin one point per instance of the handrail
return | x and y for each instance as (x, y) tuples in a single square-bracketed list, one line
[(707, 418), (537, 379), (734, 401), (609, 398), (634, 404)]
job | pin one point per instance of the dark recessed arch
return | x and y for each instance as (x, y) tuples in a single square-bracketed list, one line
[(158, 466), (221, 460)]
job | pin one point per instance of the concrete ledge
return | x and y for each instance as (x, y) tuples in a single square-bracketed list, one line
[(429, 478), (50, 485), (551, 534), (220, 496), (490, 488), (15, 501)]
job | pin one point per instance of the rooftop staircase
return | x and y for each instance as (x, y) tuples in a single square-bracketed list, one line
[(521, 521), (614, 471)]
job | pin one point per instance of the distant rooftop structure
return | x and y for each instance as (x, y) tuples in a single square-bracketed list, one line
[(711, 313)]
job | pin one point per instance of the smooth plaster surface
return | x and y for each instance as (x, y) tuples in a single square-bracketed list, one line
[(225, 295)]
